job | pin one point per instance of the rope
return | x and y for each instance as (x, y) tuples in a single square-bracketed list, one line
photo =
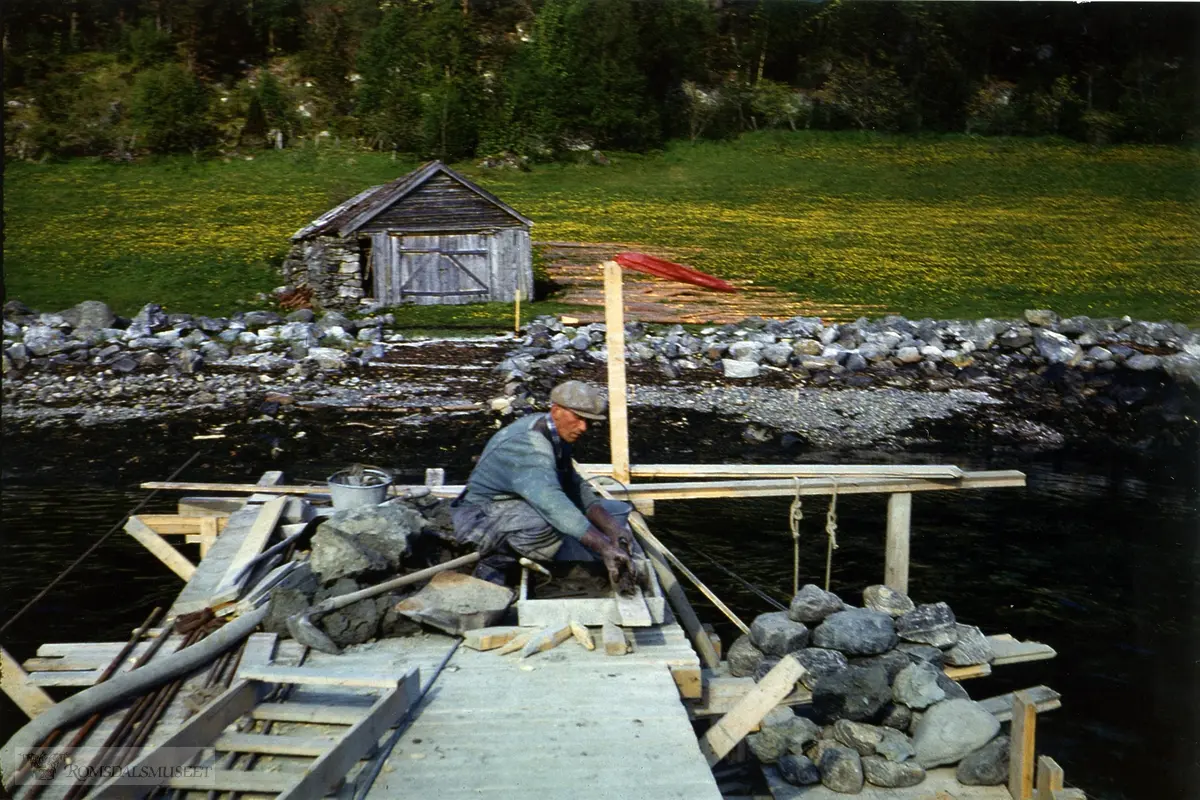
[(831, 532), (92, 549), (795, 514)]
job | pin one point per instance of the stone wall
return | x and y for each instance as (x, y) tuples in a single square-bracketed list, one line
[(332, 266)]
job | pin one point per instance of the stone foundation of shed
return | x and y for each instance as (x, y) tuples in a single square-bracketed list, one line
[(332, 266)]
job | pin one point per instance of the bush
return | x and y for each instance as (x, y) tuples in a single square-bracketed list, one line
[(871, 97), (993, 109), (170, 110)]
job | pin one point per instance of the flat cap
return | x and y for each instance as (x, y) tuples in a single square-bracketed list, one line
[(584, 400)]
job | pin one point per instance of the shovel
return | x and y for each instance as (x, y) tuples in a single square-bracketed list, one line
[(305, 631)]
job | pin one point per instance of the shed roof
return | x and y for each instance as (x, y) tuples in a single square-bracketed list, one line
[(366, 205)]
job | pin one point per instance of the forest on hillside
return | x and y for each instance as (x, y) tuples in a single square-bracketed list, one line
[(542, 79)]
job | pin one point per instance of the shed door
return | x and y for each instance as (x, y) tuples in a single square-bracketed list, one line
[(439, 268)]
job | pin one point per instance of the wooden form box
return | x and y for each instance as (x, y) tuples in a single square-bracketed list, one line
[(592, 611)]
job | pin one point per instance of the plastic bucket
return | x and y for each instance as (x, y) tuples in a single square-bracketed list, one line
[(353, 488)]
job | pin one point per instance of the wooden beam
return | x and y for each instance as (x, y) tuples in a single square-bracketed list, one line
[(274, 745), (618, 409), (1044, 699), (1049, 778), (252, 544), (614, 640), (15, 683), (899, 516), (189, 739), (308, 676), (632, 609), (1008, 650), (159, 548), (331, 768), (748, 712), (704, 590), (209, 506), (233, 780), (315, 713), (701, 471), (491, 638), (1021, 747)]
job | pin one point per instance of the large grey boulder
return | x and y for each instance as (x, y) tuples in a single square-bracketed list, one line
[(972, 648), (90, 315), (894, 745), (42, 340), (896, 716), (150, 319), (802, 733), (917, 686), (856, 631), (952, 688), (879, 771), (1056, 348), (888, 600), (283, 604), (813, 604), (457, 603), (366, 539), (987, 766), (776, 634), (819, 662), (931, 623), (841, 770), (854, 693), (893, 661), (858, 735), (769, 743), (798, 770), (745, 351), (743, 657), (922, 652), (354, 624), (777, 354), (739, 369), (950, 730)]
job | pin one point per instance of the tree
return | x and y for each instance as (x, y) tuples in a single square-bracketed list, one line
[(871, 97), (170, 110)]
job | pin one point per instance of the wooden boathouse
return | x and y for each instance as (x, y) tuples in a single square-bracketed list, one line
[(429, 237)]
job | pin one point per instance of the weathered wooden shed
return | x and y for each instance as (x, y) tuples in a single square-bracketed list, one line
[(429, 237)]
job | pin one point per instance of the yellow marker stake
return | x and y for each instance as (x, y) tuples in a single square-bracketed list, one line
[(517, 313)]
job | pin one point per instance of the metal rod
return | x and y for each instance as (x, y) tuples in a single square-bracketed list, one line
[(86, 729)]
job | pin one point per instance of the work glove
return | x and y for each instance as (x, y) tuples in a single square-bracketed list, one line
[(616, 561)]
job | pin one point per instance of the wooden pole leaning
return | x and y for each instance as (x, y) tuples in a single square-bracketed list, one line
[(618, 409)]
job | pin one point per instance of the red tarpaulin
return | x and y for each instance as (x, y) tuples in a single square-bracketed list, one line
[(672, 271)]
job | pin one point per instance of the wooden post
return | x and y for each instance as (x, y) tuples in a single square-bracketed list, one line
[(517, 311), (159, 547), (15, 683), (1049, 778), (895, 570), (1021, 747), (618, 412)]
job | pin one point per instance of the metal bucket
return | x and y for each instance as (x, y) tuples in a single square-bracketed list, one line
[(355, 488)]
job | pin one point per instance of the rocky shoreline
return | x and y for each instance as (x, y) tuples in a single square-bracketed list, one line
[(1038, 382)]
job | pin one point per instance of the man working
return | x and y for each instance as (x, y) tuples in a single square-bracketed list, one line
[(524, 497)]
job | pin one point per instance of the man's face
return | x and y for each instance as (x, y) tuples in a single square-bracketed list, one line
[(569, 424)]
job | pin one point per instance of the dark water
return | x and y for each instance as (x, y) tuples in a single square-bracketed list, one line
[(1099, 557)]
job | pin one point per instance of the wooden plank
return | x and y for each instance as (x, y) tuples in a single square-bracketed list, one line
[(701, 471), (491, 638), (899, 516), (618, 409), (1008, 650), (170, 524), (308, 676), (1021, 747), (159, 548), (271, 744), (1068, 794), (331, 768), (15, 683), (973, 671), (614, 640), (546, 639), (689, 681), (252, 544), (66, 678), (192, 737), (516, 644), (1044, 699), (744, 717), (582, 635), (1049, 778), (233, 780), (631, 609), (780, 487), (208, 506), (315, 713)]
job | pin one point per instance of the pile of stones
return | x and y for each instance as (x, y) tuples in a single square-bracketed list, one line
[(91, 334), (883, 710), (892, 351), (356, 548)]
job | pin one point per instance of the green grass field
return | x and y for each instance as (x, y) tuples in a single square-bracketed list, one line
[(945, 227)]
